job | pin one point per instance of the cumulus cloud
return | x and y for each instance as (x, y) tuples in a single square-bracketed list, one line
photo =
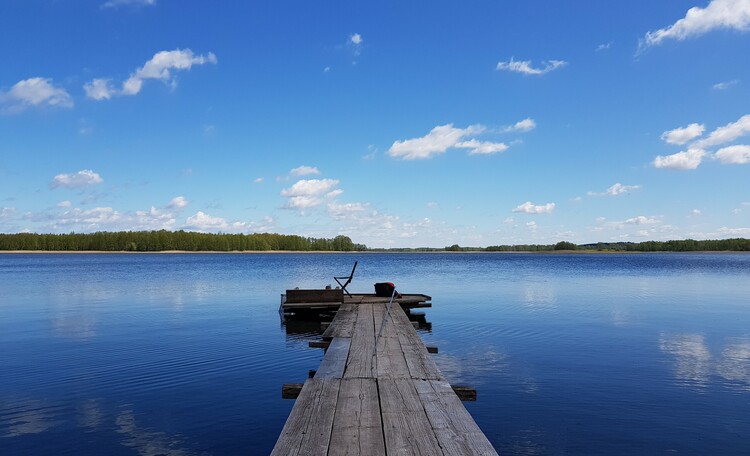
[(356, 39), (99, 89), (308, 193), (80, 179), (161, 68), (689, 159), (680, 136), (641, 220), (178, 202), (734, 155), (482, 148), (259, 180), (735, 232), (719, 14), (603, 46), (34, 92), (304, 171), (64, 204), (525, 66), (522, 126), (529, 208), (437, 141), (727, 133), (204, 222), (616, 189), (346, 210), (696, 213)]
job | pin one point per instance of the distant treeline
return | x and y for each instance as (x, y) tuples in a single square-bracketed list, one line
[(686, 245), (155, 241)]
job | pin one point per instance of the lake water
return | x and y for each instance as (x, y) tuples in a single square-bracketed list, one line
[(185, 354)]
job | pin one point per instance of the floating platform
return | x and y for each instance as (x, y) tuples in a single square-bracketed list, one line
[(332, 299), (378, 395)]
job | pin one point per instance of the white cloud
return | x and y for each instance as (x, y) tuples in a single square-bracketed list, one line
[(432, 205), (525, 66), (734, 155), (725, 85), (680, 136), (117, 3), (343, 211), (727, 133), (99, 89), (740, 232), (482, 148), (34, 92), (719, 14), (178, 202), (523, 126), (160, 67), (259, 180), (689, 159), (696, 213), (80, 179), (64, 204), (204, 222), (437, 141), (532, 225), (642, 220), (308, 193), (616, 189), (529, 208), (604, 46), (304, 171), (356, 39)]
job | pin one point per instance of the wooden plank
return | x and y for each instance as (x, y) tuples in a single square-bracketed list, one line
[(418, 360), (297, 296), (308, 429), (334, 361), (390, 359), (343, 323), (361, 362), (454, 427), (405, 425), (357, 427)]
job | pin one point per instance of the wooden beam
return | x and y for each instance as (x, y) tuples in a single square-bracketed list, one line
[(291, 390), (319, 343), (465, 393), (432, 349)]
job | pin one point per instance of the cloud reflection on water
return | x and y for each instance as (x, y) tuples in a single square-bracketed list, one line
[(695, 366)]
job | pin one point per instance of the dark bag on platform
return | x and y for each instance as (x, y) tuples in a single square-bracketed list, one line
[(385, 290)]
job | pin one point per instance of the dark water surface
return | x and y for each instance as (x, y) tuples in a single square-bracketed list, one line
[(185, 354)]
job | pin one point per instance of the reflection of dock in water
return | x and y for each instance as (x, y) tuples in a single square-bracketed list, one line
[(377, 391)]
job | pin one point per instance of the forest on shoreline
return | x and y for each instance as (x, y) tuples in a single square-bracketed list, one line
[(189, 241)]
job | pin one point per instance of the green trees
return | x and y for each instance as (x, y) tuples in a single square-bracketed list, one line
[(565, 245), (155, 241)]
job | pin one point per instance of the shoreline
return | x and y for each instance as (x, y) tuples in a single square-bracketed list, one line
[(328, 252)]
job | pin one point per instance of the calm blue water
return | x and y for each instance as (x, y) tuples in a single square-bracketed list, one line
[(185, 354)]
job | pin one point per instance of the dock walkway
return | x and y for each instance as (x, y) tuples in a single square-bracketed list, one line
[(376, 400)]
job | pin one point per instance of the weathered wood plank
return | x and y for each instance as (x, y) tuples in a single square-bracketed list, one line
[(391, 361), (308, 429), (357, 427), (334, 361), (362, 362), (417, 358), (343, 323), (454, 427), (405, 425), (298, 296)]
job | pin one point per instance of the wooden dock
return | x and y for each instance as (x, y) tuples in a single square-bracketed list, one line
[(378, 395)]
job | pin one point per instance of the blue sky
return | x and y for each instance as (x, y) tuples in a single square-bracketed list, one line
[(399, 124)]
